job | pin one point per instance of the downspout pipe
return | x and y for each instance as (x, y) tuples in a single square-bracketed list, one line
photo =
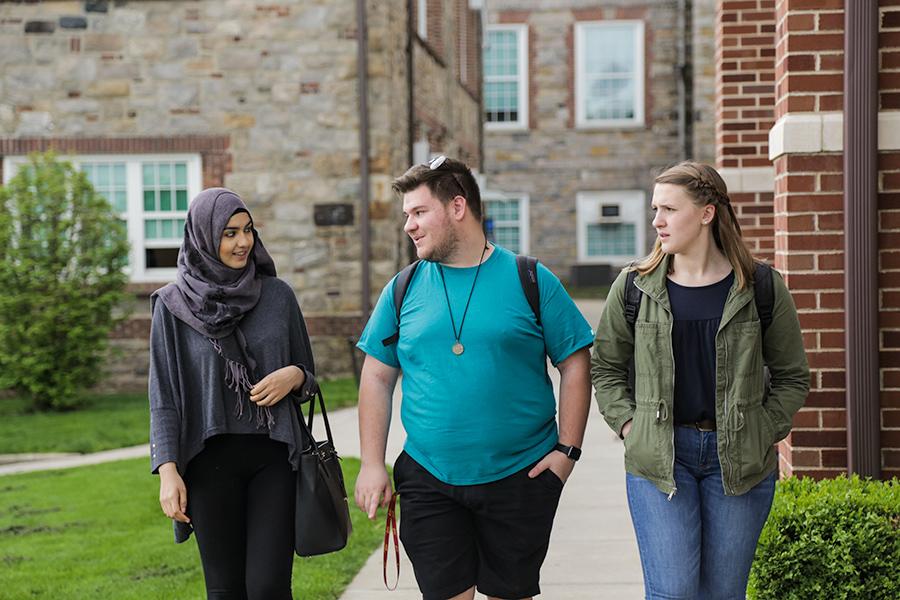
[(680, 73), (362, 75), (410, 83), (408, 252), (860, 239)]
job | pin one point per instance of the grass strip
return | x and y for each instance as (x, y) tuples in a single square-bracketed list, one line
[(106, 421), (98, 532)]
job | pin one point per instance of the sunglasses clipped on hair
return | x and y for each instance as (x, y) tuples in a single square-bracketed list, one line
[(436, 162)]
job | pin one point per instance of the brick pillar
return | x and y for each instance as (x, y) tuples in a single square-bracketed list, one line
[(805, 145), (745, 101)]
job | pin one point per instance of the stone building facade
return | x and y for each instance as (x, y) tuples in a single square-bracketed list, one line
[(585, 102), (157, 100)]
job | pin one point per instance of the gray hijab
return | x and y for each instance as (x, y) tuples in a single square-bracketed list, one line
[(211, 297)]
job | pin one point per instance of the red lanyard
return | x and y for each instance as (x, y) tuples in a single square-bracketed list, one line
[(390, 527)]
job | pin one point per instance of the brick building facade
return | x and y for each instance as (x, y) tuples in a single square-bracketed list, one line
[(157, 100), (780, 143)]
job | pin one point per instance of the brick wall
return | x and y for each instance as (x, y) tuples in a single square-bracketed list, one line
[(809, 225), (745, 100)]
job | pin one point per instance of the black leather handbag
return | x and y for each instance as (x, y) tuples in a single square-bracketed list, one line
[(322, 514)]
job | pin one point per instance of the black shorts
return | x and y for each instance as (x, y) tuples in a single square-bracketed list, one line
[(493, 535)]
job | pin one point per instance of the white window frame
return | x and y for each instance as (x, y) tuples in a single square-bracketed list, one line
[(633, 209), (134, 215), (521, 31), (581, 120), (524, 215)]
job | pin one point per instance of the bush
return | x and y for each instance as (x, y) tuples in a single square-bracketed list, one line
[(62, 255), (837, 539)]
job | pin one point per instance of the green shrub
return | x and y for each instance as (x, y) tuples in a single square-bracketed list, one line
[(62, 255), (837, 539)]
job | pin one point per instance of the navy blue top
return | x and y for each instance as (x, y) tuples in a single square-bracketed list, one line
[(697, 312)]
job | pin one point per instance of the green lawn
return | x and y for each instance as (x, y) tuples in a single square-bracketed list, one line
[(105, 422), (593, 292), (98, 532)]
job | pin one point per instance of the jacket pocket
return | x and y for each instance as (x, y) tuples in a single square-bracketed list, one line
[(745, 360), (757, 440), (643, 444), (654, 371)]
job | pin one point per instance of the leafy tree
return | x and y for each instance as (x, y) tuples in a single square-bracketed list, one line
[(63, 251)]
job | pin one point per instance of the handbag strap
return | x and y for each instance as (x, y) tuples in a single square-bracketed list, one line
[(390, 527), (309, 422)]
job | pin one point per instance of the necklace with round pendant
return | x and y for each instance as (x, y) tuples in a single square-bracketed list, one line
[(457, 347)]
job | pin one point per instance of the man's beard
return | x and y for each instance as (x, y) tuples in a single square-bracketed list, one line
[(446, 248)]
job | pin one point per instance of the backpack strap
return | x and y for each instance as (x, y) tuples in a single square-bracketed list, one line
[(764, 295), (633, 296), (527, 267), (401, 284)]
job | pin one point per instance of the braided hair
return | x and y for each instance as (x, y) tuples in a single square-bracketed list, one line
[(705, 186)]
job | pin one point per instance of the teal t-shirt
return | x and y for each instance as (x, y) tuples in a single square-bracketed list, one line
[(491, 411)]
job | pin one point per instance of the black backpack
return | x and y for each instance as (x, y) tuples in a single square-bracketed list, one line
[(763, 295), (526, 265)]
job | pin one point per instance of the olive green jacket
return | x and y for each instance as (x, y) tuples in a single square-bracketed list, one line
[(749, 420)]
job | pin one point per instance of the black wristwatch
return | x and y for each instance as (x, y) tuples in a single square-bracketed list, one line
[(573, 452)]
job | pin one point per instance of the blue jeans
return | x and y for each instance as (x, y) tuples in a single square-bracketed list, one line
[(700, 544)]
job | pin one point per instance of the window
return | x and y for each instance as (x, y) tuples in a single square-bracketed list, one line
[(609, 73), (612, 226), (151, 194), (507, 217), (506, 77)]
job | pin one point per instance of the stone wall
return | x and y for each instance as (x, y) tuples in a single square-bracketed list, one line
[(278, 81)]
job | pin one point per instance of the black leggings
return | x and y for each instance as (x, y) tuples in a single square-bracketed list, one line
[(241, 504)]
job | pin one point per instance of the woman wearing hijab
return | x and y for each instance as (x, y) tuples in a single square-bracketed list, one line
[(228, 346)]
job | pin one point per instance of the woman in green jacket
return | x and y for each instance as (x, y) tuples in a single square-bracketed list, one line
[(701, 419)]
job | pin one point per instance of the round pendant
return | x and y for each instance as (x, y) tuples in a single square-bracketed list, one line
[(458, 348)]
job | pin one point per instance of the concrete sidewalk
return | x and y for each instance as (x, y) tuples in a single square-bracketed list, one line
[(593, 554)]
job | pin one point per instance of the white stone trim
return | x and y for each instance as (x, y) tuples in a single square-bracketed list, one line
[(811, 133), (749, 179)]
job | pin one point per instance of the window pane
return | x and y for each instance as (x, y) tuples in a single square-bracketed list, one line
[(149, 200), (610, 99), (181, 202), (508, 237), (121, 201), (612, 239), (102, 177), (150, 229), (149, 171), (609, 49), (165, 200), (501, 76), (119, 175), (161, 258), (167, 229), (181, 174), (506, 224), (165, 175), (609, 72)]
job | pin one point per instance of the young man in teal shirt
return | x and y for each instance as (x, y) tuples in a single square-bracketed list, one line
[(484, 461)]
